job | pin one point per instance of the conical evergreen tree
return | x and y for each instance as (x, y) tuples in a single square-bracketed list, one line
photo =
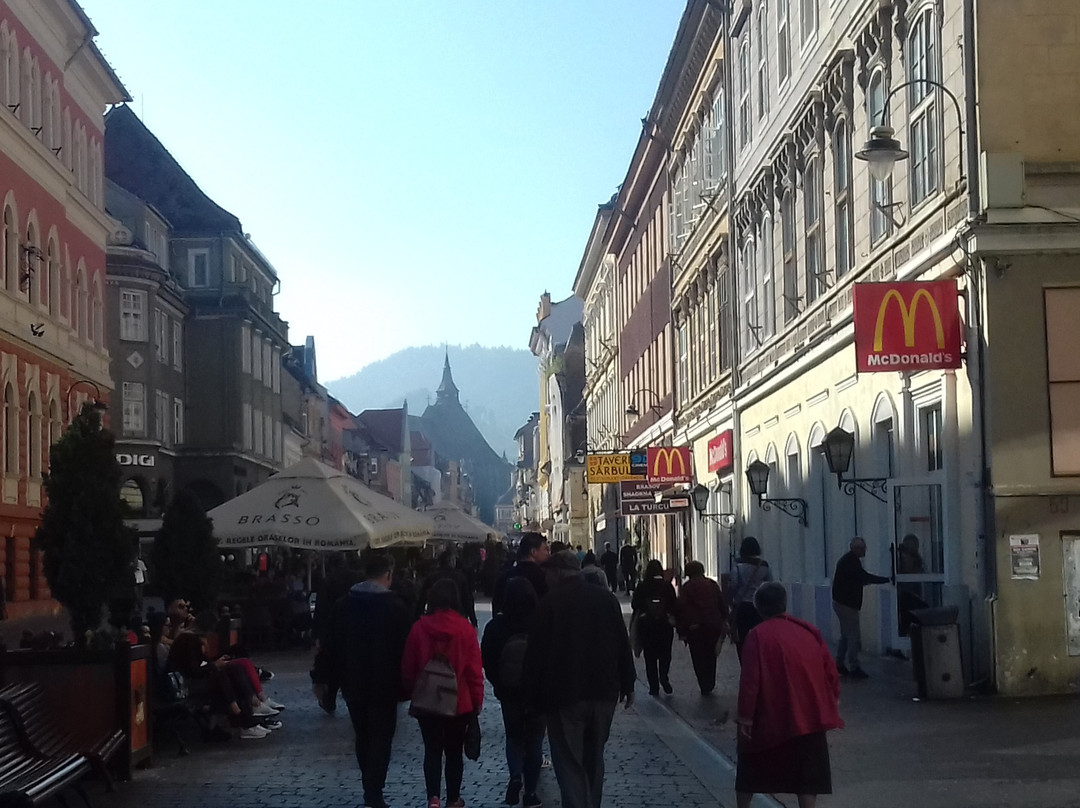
[(88, 550), (185, 560)]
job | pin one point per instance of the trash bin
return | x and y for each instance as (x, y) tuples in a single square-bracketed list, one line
[(935, 653)]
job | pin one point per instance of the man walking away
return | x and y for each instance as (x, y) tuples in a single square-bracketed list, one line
[(702, 616), (628, 561), (448, 570), (340, 577), (532, 552), (578, 665), (610, 562), (847, 594), (362, 647)]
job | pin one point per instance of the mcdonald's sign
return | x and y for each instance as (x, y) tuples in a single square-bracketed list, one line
[(668, 464), (906, 326)]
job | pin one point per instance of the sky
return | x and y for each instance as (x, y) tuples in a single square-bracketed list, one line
[(417, 171)]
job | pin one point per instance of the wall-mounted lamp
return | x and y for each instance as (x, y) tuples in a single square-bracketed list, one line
[(838, 447), (699, 495), (757, 475), (99, 406), (632, 408)]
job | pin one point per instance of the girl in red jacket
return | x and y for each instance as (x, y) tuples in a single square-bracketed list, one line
[(445, 632)]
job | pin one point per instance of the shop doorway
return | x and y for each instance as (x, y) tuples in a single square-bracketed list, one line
[(918, 552)]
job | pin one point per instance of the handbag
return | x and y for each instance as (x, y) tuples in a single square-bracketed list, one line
[(436, 689), (472, 738)]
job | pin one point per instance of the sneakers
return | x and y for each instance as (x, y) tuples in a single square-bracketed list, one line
[(859, 673), (263, 710), (271, 724), (841, 668), (533, 801), (433, 802), (256, 731), (667, 687), (513, 792), (265, 675), (274, 705)]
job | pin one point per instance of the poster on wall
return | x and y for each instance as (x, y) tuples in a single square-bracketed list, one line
[(1024, 552)]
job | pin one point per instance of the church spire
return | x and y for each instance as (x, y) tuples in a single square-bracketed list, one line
[(447, 388)]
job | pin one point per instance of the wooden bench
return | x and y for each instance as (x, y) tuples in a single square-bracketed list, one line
[(28, 779), (25, 704), (169, 710)]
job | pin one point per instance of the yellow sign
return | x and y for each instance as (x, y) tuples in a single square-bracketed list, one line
[(609, 468), (907, 316)]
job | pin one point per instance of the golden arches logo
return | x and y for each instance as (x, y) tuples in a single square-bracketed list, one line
[(669, 456), (907, 315)]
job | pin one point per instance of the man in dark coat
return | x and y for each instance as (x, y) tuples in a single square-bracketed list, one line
[(340, 577), (532, 553), (628, 560), (847, 594), (578, 666), (609, 560), (447, 569), (362, 647)]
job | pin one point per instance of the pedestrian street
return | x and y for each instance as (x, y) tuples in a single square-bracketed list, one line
[(653, 759)]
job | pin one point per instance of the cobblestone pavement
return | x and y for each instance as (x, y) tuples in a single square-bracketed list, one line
[(653, 759)]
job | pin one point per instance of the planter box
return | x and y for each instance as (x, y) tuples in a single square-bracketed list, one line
[(92, 693)]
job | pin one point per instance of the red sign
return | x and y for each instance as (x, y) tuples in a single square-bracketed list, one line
[(668, 464), (721, 457), (906, 326)]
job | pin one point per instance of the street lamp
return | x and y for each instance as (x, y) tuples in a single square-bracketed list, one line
[(757, 475), (98, 406), (838, 447), (699, 495), (632, 408)]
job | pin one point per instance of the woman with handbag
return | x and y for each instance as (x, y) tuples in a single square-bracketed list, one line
[(654, 605), (442, 670), (749, 573)]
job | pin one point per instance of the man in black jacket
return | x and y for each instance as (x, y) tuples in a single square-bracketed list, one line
[(448, 569), (578, 665), (362, 648), (847, 594), (532, 552)]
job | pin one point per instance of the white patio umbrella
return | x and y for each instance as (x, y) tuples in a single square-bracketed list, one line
[(310, 506), (453, 524)]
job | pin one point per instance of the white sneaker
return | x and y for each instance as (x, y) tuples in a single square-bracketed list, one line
[(254, 732), (272, 724), (263, 710), (274, 705)]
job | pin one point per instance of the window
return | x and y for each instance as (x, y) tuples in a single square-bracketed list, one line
[(276, 368), (845, 248), (745, 124), (1063, 377), (177, 344), (268, 367), (268, 436), (763, 62), (134, 395), (257, 431), (783, 40), (161, 416), (132, 315), (880, 191), (161, 336), (791, 267), (812, 223), (245, 349), (808, 15), (724, 316), (767, 297), (256, 357), (245, 426), (923, 120), (932, 450), (178, 422), (11, 431), (684, 389), (714, 143), (33, 436), (751, 337), (198, 268), (713, 346)]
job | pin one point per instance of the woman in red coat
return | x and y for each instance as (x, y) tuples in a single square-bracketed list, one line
[(788, 695), (443, 631)]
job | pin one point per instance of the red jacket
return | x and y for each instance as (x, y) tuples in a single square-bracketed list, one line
[(789, 685), (450, 634)]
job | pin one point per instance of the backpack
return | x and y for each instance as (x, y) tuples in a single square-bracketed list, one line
[(436, 689), (656, 611), (512, 662)]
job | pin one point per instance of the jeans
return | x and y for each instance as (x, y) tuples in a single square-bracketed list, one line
[(444, 737), (702, 645), (577, 734), (524, 743), (374, 723), (850, 636)]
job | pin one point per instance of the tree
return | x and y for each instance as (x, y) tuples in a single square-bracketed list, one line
[(185, 560), (88, 550)]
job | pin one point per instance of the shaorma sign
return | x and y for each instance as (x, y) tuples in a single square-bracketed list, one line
[(668, 464), (906, 326)]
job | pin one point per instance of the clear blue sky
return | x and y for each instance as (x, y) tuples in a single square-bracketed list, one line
[(418, 171)]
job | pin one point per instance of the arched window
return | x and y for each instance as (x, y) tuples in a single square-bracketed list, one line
[(52, 278), (751, 333), (924, 120), (82, 302), (13, 84), (67, 152), (791, 266), (815, 272), (33, 436), (26, 103), (767, 296), (97, 320), (31, 264), (10, 250), (54, 426), (5, 64), (49, 121), (11, 431), (880, 190), (845, 242), (746, 127), (35, 96), (131, 494), (762, 36)]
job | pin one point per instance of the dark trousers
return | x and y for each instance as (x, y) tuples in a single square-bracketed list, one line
[(374, 722), (746, 617), (443, 737), (656, 648), (612, 574), (577, 734), (524, 743), (702, 645), (629, 575)]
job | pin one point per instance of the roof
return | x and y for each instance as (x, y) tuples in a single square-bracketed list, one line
[(385, 427), (447, 388), (137, 161)]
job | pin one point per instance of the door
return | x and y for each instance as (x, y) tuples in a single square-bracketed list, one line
[(918, 551)]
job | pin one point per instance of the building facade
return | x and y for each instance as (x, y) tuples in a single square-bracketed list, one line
[(55, 87)]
